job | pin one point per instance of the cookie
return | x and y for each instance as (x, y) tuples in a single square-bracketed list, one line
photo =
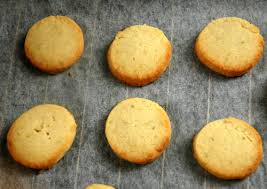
[(41, 136), (138, 130), (139, 55), (99, 186), (229, 46), (228, 148), (54, 43)]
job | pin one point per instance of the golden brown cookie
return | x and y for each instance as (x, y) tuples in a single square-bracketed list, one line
[(139, 55), (54, 43), (138, 130), (230, 46), (228, 148), (99, 186), (41, 136)]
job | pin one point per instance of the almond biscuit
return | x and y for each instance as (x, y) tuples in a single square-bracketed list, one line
[(99, 186), (41, 136), (229, 46), (138, 130), (228, 148), (139, 55), (54, 43)]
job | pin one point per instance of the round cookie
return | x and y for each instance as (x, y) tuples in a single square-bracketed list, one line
[(228, 148), (54, 43), (229, 46), (138, 130), (139, 55), (41, 136), (99, 186)]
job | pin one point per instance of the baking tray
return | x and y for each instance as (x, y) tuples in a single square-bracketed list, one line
[(191, 94)]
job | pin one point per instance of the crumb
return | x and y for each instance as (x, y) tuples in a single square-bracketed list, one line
[(70, 74)]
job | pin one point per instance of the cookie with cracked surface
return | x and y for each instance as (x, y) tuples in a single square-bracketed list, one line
[(99, 186), (139, 55), (138, 130), (228, 148), (41, 136), (229, 46), (54, 44)]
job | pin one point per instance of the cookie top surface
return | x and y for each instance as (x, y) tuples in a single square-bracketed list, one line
[(230, 46), (139, 54), (40, 136), (138, 130), (54, 43), (99, 186), (228, 148)]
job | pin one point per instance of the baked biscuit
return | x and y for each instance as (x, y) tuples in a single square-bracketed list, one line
[(230, 46), (41, 136), (228, 148), (139, 55), (99, 186), (138, 130), (54, 43)]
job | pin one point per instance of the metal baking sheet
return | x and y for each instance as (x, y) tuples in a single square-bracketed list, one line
[(191, 94)]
